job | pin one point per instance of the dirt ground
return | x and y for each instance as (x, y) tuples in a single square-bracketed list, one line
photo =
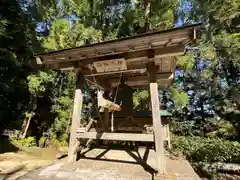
[(109, 164), (94, 164), (29, 161)]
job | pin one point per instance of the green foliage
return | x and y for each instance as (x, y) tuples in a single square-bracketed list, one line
[(139, 96), (28, 115), (37, 84), (181, 98), (220, 128), (208, 86), (64, 35), (211, 127), (184, 128), (18, 40), (55, 142), (223, 11), (228, 46), (3, 25), (25, 143), (186, 62), (63, 108), (207, 51), (42, 141), (200, 149)]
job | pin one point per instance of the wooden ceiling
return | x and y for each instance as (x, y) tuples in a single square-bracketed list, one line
[(129, 56)]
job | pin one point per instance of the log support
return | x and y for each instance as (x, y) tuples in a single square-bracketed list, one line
[(158, 130), (76, 118)]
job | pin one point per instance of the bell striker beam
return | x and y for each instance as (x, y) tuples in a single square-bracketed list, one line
[(76, 116)]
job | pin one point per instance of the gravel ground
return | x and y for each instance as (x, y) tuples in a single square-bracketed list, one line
[(100, 164)]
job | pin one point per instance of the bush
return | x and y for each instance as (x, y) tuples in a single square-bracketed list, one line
[(211, 127), (184, 128), (26, 142), (42, 141), (220, 128), (58, 142), (207, 149)]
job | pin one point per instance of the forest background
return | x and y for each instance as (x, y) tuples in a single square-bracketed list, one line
[(205, 97)]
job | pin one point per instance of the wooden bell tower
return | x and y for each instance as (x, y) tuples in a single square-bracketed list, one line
[(146, 61)]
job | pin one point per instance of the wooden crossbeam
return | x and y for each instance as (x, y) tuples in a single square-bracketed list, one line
[(90, 124), (116, 136), (143, 70)]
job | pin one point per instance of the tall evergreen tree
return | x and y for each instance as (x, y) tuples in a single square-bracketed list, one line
[(18, 41)]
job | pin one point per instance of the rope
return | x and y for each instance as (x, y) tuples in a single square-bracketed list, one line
[(94, 104), (114, 100), (93, 77)]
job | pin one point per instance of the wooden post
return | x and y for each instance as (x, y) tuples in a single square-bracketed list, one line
[(157, 124), (76, 117), (106, 118), (168, 136)]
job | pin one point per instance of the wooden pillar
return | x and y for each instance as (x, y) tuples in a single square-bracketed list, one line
[(157, 124), (76, 117), (106, 118), (168, 136)]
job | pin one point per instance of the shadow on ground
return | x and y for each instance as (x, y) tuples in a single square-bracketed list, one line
[(136, 156), (6, 145)]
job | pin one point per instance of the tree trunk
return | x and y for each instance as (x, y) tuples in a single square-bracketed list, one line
[(147, 6), (27, 126)]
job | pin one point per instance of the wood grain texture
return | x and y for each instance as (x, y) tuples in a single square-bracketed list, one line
[(157, 123), (76, 117), (157, 128), (147, 41), (117, 136)]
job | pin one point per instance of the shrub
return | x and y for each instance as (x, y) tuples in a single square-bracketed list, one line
[(220, 128), (26, 142), (207, 149), (183, 128), (58, 142), (42, 141)]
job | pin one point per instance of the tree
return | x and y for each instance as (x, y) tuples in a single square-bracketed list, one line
[(18, 40), (84, 22), (211, 67)]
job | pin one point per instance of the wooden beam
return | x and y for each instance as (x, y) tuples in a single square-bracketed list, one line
[(168, 136), (145, 83), (151, 68), (76, 148), (122, 45), (132, 56), (88, 127), (143, 70), (106, 118), (157, 124), (116, 136), (143, 77), (76, 117)]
